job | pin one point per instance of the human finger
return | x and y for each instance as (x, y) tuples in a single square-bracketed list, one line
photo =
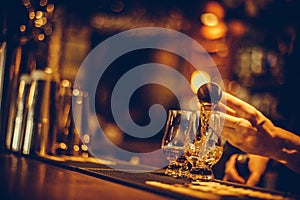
[(243, 126), (224, 108), (241, 108), (231, 173), (234, 177), (253, 179)]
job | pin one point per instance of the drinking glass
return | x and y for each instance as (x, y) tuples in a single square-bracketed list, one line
[(206, 147), (175, 140)]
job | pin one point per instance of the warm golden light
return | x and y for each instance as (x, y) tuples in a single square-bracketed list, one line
[(63, 146), (66, 83), (215, 8), (76, 148), (31, 15), (76, 92), (48, 70), (198, 78), (50, 7), (26, 3), (162, 57), (237, 28), (31, 94), (44, 20), (41, 37), (43, 2), (86, 138), (38, 22), (22, 28), (85, 155), (38, 14), (209, 19), (215, 32), (84, 147)]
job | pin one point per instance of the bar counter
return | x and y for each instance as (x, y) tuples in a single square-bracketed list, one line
[(43, 178), (26, 178)]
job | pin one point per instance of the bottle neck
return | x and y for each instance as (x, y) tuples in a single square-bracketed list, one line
[(207, 106)]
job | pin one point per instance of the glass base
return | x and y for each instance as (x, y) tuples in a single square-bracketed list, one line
[(201, 174), (177, 169)]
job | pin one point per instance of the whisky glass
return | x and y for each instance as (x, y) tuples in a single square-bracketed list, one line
[(206, 147), (175, 141)]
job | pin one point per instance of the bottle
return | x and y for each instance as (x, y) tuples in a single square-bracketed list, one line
[(22, 62), (3, 53), (21, 111), (41, 121)]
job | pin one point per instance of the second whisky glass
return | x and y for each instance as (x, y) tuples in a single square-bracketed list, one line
[(207, 146)]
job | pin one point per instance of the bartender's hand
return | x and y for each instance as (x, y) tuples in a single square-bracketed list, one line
[(256, 165), (248, 129)]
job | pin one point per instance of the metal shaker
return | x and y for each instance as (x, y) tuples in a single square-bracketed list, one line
[(40, 128)]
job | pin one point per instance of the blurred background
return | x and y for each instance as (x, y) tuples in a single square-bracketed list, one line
[(251, 42)]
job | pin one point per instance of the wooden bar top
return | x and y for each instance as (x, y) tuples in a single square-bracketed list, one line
[(26, 178), (40, 178)]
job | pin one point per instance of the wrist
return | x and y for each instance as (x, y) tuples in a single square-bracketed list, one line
[(286, 149)]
